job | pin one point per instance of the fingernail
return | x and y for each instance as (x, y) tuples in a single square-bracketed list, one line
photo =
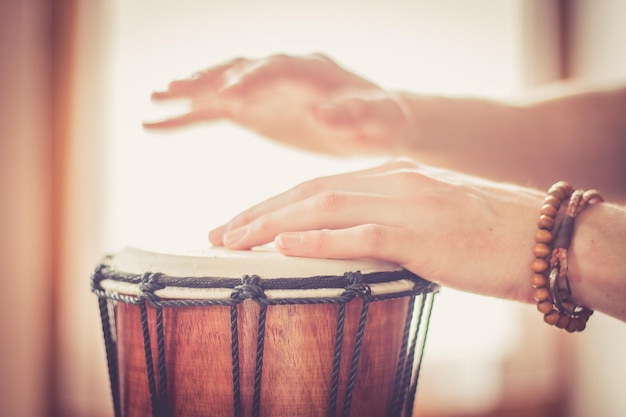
[(289, 240), (216, 236), (234, 236)]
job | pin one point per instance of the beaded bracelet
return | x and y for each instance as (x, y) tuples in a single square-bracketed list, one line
[(551, 290)]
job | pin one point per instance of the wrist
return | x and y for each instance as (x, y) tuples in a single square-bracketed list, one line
[(597, 267)]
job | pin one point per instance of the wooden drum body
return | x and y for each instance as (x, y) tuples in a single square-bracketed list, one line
[(227, 333)]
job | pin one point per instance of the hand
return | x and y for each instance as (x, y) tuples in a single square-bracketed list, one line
[(460, 231), (308, 102)]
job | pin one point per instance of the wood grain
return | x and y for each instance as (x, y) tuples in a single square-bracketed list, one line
[(297, 362)]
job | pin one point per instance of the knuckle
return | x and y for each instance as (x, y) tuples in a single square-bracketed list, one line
[(238, 63), (320, 241), (263, 224), (280, 57), (307, 188), (374, 237), (320, 56), (402, 164), (243, 218), (329, 201), (408, 180)]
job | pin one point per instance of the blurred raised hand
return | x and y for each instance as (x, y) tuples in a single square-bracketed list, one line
[(308, 102)]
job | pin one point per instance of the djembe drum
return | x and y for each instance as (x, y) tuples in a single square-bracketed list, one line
[(255, 333)]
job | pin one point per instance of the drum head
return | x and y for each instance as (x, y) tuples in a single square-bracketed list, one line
[(264, 261)]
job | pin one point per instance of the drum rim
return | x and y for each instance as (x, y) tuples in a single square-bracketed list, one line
[(151, 280)]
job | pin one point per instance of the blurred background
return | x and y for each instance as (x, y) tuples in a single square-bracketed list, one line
[(79, 178)]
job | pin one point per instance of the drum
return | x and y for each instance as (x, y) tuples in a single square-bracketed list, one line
[(255, 333)]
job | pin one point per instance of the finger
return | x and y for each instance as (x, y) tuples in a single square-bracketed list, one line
[(176, 122), (329, 210), (176, 89), (369, 180), (386, 243), (211, 78)]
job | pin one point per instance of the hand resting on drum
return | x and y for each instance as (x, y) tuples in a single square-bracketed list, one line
[(460, 231)]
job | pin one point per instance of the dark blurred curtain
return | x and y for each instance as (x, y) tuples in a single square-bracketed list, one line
[(35, 72)]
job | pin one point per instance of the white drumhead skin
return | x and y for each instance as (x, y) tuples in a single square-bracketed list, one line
[(264, 261)]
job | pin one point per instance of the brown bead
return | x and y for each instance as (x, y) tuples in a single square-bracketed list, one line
[(559, 193), (562, 185), (543, 236), (575, 325), (552, 317), (581, 324), (541, 294), (539, 265), (548, 210), (568, 307), (545, 222), (564, 321), (539, 280), (541, 250), (552, 201), (544, 307)]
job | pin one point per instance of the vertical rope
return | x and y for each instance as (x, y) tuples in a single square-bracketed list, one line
[(334, 385), (355, 358), (396, 404), (148, 352), (408, 369), (163, 408), (258, 372), (234, 331), (413, 390), (111, 353)]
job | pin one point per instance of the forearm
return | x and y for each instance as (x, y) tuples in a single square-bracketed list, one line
[(580, 138), (597, 265)]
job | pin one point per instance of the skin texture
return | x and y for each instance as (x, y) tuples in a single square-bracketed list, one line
[(458, 229)]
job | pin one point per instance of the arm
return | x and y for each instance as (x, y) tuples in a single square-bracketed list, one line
[(460, 231), (313, 103), (577, 135)]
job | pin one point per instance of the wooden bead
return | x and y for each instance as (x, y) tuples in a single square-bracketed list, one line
[(575, 325), (563, 322), (548, 210), (581, 324), (539, 265), (539, 280), (543, 236), (568, 307), (552, 201), (544, 307), (582, 313), (541, 250), (561, 185), (566, 316), (552, 317), (559, 193), (541, 294), (545, 222)]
